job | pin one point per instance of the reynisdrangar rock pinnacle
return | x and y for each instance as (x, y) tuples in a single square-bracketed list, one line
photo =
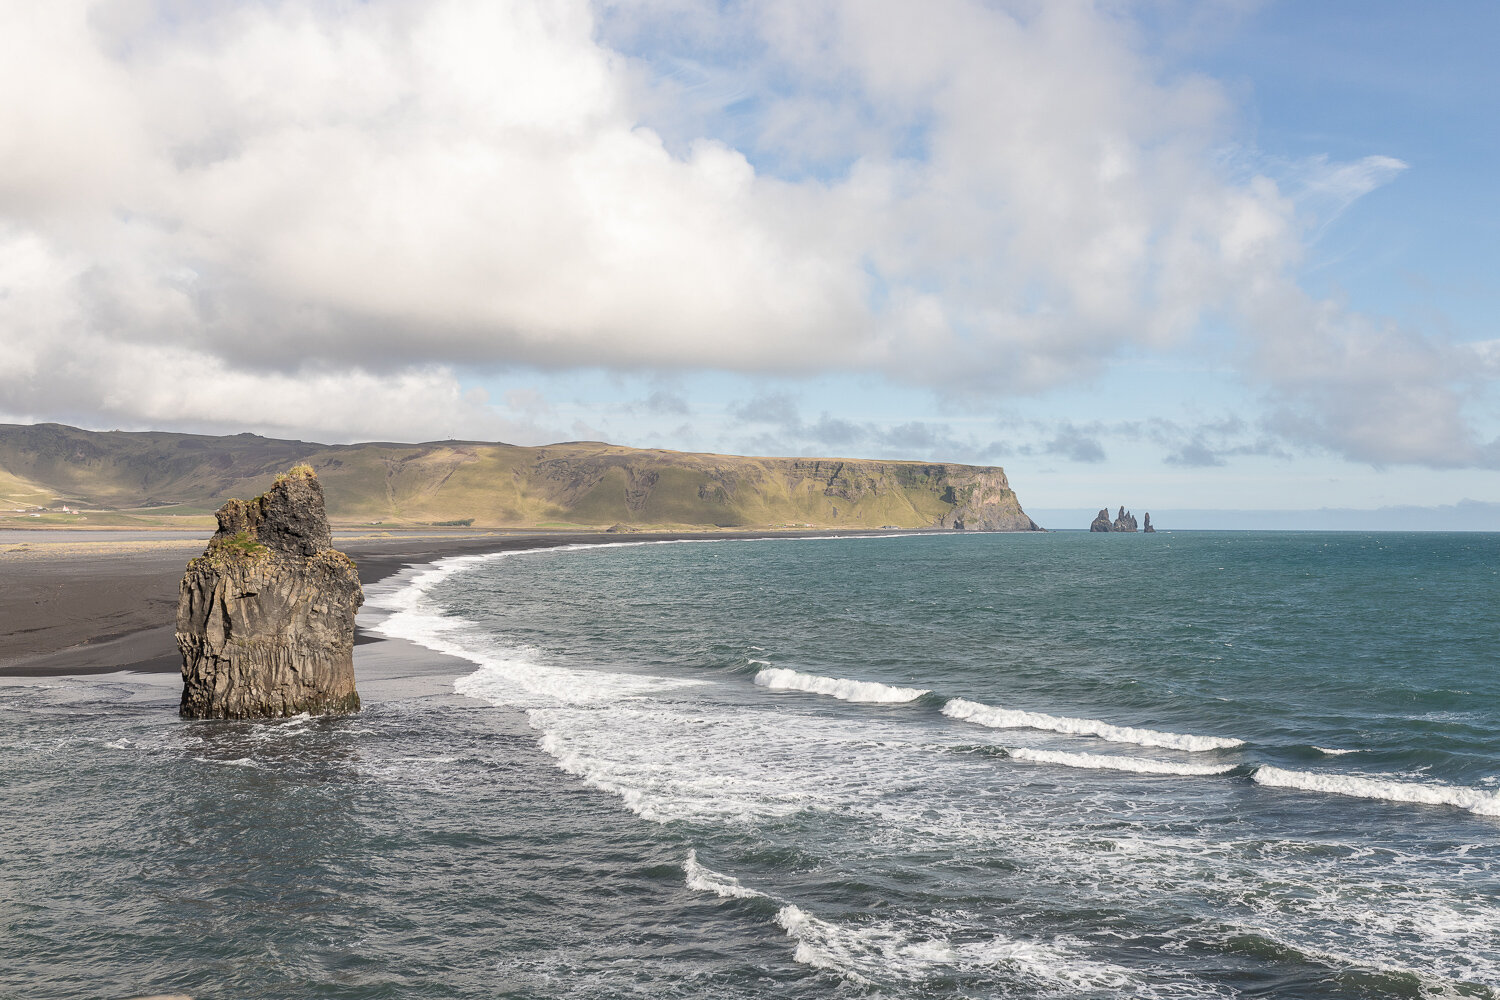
[(265, 617)]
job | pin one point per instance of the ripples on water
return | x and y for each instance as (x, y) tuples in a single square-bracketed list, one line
[(985, 766)]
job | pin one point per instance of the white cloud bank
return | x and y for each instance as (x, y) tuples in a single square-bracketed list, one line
[(310, 216)]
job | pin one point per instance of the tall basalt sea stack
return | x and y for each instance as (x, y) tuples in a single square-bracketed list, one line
[(265, 617)]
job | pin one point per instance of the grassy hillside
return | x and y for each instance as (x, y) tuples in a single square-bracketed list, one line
[(123, 478)]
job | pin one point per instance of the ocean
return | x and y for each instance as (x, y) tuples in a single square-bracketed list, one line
[(1190, 764)]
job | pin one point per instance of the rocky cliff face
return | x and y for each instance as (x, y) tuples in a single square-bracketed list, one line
[(1102, 521), (265, 617), (983, 501)]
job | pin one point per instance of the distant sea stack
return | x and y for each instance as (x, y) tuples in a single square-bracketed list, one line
[(265, 617), (1124, 521)]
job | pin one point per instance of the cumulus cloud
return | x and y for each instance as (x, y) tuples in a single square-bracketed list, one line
[(1370, 391), (363, 201)]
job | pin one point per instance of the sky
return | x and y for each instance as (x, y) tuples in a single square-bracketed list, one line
[(1182, 255)]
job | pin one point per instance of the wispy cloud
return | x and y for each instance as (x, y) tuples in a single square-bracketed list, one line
[(778, 427), (1076, 445), (1324, 190)]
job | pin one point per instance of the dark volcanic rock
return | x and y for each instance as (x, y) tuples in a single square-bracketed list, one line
[(265, 617), (1124, 521), (982, 501), (1147, 529)]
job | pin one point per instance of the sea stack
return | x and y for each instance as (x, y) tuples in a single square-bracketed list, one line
[(1146, 528), (1124, 521), (265, 617)]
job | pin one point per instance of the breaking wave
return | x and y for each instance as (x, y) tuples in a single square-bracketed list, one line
[(1138, 765), (872, 952), (782, 679), (1473, 799), (1006, 718), (701, 879)]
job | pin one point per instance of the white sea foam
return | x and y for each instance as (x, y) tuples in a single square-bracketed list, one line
[(1381, 934), (1006, 718), (515, 676), (1473, 799), (782, 679), (701, 879), (234, 762), (1333, 751), (521, 678), (705, 764), (819, 944), (871, 952), (673, 755), (1138, 765), (633, 735)]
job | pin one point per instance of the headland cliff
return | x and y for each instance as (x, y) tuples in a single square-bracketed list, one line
[(115, 477)]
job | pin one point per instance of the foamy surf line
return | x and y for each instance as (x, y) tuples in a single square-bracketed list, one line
[(423, 577), (869, 953), (869, 692), (1135, 765), (701, 879), (514, 676), (1475, 800), (412, 618), (1006, 718)]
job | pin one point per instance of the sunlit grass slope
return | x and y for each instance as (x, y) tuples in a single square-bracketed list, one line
[(584, 483)]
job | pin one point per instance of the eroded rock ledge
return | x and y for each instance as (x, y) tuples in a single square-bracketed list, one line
[(265, 617)]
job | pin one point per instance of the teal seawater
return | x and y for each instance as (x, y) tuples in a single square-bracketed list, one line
[(1181, 765)]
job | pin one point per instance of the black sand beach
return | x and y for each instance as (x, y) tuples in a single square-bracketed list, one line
[(73, 604)]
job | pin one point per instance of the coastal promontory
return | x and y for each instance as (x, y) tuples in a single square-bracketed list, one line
[(142, 479), (265, 617)]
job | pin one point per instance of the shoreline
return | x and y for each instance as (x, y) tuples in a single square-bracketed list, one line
[(80, 607)]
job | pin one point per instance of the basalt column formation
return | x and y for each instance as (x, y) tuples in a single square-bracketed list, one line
[(265, 617)]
